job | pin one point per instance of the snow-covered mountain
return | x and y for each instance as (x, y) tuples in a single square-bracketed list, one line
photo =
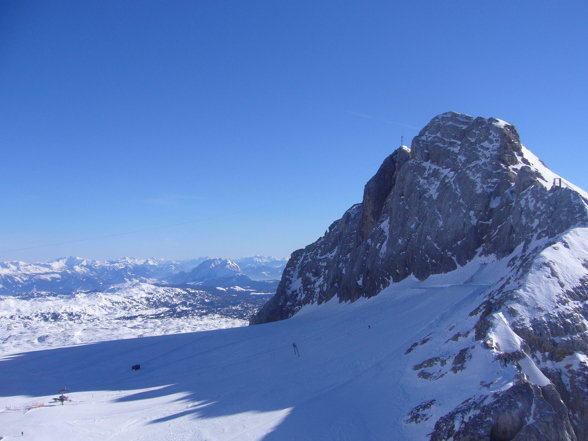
[(451, 304), (213, 269), (468, 191), (224, 273), (72, 274)]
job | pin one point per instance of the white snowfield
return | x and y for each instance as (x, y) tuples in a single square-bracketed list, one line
[(31, 322), (358, 375)]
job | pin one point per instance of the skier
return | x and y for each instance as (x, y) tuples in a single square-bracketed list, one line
[(296, 349)]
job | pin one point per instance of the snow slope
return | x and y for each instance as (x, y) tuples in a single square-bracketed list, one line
[(356, 377), (233, 384)]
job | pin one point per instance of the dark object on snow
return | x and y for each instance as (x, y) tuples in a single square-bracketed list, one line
[(61, 399), (296, 349), (136, 367)]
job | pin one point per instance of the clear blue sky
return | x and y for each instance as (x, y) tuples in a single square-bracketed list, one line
[(233, 128)]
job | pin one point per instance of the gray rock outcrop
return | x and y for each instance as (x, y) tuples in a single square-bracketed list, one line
[(464, 187)]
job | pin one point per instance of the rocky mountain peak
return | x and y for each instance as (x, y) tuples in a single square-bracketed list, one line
[(468, 196), (466, 187), (454, 140)]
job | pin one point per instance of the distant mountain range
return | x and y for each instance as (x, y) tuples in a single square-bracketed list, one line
[(71, 274)]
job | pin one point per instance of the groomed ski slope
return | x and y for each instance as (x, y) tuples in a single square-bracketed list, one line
[(349, 382)]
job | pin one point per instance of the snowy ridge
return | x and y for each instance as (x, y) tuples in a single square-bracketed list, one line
[(496, 353), (548, 178), (262, 268)]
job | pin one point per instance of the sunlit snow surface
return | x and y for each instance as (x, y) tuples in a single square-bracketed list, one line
[(358, 376), (43, 320)]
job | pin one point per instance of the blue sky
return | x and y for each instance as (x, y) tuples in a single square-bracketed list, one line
[(232, 128)]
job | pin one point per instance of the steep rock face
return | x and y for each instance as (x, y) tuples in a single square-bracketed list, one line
[(467, 186), (469, 193)]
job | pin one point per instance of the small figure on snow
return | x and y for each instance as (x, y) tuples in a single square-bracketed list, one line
[(295, 349)]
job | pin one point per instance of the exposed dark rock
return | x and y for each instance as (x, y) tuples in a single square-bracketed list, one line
[(419, 413), (463, 188), (524, 412), (430, 362), (460, 360)]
